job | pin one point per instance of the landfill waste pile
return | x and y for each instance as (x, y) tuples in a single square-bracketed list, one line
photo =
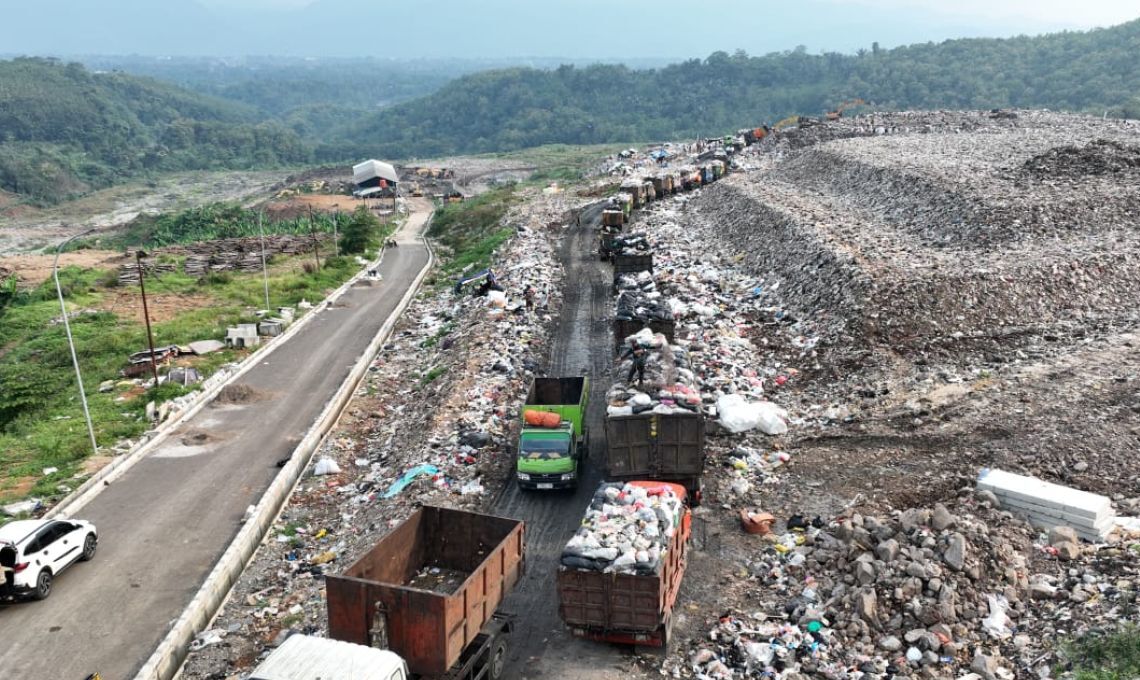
[(929, 241), (1098, 157), (429, 424), (927, 592), (626, 530)]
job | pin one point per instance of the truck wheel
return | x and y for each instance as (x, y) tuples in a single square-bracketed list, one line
[(498, 661)]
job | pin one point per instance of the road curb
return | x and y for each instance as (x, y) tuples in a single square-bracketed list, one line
[(91, 488), (167, 659)]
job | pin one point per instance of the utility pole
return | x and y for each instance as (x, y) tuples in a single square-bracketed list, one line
[(71, 342), (264, 271), (316, 243), (139, 255), (336, 236)]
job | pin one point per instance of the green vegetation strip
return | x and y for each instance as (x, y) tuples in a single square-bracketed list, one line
[(41, 419), (1115, 656), (473, 229)]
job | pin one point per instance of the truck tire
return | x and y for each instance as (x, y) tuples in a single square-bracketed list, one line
[(498, 661)]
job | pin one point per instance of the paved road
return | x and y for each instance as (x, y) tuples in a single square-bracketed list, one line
[(164, 524)]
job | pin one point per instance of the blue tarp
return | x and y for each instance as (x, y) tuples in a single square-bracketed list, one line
[(410, 477)]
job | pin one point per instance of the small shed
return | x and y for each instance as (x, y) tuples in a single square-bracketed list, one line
[(373, 174)]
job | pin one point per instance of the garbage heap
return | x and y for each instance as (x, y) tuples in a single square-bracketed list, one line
[(639, 305), (631, 244), (626, 530), (742, 340), (669, 384), (926, 592)]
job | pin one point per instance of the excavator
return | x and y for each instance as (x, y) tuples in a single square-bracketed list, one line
[(838, 112), (787, 122)]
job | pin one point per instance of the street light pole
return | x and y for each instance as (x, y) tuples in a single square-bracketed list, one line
[(139, 255), (71, 342), (264, 271)]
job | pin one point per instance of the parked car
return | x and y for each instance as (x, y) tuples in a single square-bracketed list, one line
[(34, 551)]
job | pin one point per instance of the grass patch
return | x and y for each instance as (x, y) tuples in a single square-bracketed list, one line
[(472, 230), (432, 375), (1115, 656), (442, 333)]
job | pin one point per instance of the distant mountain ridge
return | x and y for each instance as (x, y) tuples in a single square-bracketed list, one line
[(65, 130), (1095, 71)]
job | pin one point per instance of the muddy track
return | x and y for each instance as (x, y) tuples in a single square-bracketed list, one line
[(541, 645)]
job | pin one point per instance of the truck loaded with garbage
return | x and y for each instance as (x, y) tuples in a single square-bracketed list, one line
[(553, 439), (621, 571), (654, 424)]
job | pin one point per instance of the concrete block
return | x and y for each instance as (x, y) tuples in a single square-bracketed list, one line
[(1046, 505), (1047, 494)]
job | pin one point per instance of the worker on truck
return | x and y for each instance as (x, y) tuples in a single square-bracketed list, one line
[(640, 359)]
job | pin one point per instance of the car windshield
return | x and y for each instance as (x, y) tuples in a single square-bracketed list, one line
[(544, 449)]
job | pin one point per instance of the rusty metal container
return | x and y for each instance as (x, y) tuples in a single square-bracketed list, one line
[(626, 608), (381, 601)]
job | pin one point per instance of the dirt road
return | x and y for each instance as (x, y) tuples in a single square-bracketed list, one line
[(165, 523), (542, 646)]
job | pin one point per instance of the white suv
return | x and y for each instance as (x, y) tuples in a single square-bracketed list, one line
[(34, 551)]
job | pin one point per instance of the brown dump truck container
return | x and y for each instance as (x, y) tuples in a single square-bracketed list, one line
[(428, 588), (626, 608), (655, 446)]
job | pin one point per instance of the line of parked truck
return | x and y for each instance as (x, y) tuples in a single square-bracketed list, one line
[(424, 602)]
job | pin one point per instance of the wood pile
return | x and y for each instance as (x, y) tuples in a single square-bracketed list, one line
[(129, 273), (223, 255)]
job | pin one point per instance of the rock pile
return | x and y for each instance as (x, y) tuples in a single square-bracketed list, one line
[(926, 592)]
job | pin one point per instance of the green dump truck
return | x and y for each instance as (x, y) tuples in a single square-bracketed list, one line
[(553, 440)]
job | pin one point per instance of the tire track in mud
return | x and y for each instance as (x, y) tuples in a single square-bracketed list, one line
[(541, 646)]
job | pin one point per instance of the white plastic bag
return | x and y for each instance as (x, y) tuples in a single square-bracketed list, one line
[(738, 415), (326, 466), (997, 623)]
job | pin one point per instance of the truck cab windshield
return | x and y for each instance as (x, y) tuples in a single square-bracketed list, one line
[(544, 449)]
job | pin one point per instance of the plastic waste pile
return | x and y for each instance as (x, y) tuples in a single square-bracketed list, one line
[(741, 648), (638, 305), (631, 244), (626, 530), (669, 384)]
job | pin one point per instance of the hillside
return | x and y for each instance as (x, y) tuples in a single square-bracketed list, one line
[(514, 108), (65, 130)]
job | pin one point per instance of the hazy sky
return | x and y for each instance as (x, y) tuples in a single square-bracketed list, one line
[(515, 29), (1074, 13), (1080, 14)]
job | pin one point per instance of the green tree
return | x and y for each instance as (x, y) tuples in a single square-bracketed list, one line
[(360, 233)]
